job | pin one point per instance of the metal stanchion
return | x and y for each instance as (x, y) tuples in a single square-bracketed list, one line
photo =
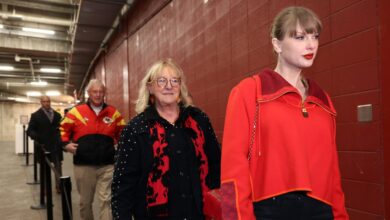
[(35, 165), (42, 166), (66, 198), (24, 139), (46, 187), (27, 151), (49, 197)]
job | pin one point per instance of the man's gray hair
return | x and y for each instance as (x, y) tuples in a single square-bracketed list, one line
[(95, 82)]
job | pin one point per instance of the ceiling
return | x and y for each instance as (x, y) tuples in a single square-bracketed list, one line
[(81, 31)]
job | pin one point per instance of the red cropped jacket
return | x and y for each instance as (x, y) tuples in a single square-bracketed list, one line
[(293, 149)]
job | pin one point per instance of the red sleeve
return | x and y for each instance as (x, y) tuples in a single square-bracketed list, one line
[(119, 123), (236, 187), (67, 125)]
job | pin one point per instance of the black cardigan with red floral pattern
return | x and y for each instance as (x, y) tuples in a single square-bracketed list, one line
[(134, 163)]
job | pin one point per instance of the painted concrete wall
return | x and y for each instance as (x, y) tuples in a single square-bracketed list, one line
[(10, 115)]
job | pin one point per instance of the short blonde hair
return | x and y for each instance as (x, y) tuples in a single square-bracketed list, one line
[(144, 101), (285, 23)]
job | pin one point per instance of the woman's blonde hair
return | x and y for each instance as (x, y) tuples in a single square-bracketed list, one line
[(144, 97), (285, 23)]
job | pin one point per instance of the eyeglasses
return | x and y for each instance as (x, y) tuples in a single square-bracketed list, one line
[(162, 82)]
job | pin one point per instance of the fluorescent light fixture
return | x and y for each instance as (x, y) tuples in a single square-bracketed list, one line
[(1, 26), (14, 17), (38, 83), (7, 68), (11, 98), (50, 70), (53, 93), (33, 93), (40, 31), (22, 100)]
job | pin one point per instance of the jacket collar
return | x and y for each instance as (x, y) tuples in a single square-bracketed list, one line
[(273, 85), (90, 105), (152, 115)]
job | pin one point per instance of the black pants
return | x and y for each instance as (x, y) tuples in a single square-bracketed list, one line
[(292, 206)]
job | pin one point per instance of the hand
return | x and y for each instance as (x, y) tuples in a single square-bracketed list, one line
[(71, 148)]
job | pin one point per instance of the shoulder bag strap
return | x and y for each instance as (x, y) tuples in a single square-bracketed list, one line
[(253, 133)]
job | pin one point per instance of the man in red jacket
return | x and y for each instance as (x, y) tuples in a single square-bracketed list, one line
[(89, 131)]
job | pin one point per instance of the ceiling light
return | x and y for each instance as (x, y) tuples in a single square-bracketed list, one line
[(33, 93), (38, 83), (40, 31), (50, 70), (22, 100), (53, 93), (1, 26), (13, 16), (7, 68)]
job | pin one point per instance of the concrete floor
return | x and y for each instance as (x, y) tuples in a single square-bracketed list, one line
[(17, 196)]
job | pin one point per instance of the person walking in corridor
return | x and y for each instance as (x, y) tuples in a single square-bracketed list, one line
[(43, 128), (168, 155), (279, 155), (89, 131)]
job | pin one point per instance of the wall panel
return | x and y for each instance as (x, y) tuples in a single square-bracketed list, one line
[(116, 71)]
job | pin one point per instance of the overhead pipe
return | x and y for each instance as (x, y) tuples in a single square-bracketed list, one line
[(19, 58), (19, 17), (41, 77), (108, 36)]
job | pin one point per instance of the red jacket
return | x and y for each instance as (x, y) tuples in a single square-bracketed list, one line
[(94, 134), (290, 152)]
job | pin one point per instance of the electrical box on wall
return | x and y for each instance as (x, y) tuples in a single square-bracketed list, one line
[(364, 113)]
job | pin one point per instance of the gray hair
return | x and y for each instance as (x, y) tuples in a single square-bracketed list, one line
[(95, 82)]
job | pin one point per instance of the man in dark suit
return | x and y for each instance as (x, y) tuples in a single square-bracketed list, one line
[(43, 128)]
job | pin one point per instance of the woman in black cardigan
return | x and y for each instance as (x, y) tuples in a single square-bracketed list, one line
[(168, 155)]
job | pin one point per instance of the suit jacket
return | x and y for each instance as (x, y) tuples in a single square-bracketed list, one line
[(41, 130)]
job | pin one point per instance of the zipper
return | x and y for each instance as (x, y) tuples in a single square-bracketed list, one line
[(304, 110), (321, 106)]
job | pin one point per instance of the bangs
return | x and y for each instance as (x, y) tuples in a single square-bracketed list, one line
[(156, 72), (309, 24)]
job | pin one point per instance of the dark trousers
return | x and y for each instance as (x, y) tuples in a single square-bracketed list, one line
[(292, 206)]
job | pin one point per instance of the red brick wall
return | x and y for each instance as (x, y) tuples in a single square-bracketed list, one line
[(219, 42)]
